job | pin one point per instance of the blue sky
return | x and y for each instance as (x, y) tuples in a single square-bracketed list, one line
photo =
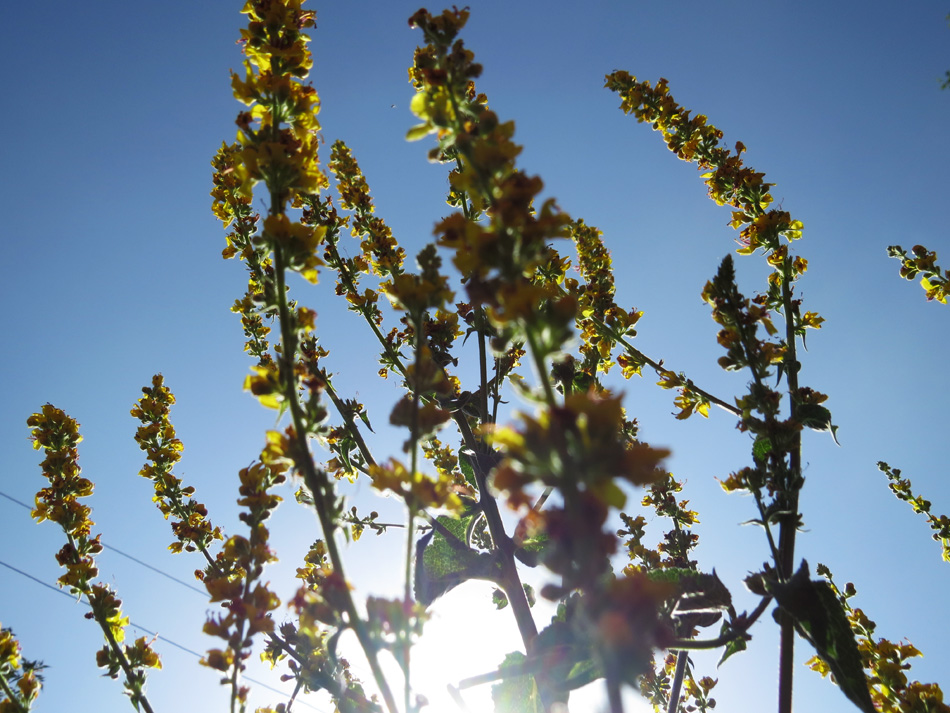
[(113, 115)]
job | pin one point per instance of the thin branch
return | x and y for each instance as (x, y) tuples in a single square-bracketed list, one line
[(682, 659), (659, 368)]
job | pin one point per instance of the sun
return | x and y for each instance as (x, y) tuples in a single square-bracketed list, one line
[(466, 636)]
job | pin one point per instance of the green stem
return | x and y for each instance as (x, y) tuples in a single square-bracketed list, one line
[(765, 524), (483, 374), (732, 635), (540, 367), (138, 698), (236, 666), (614, 698), (316, 484), (350, 284), (319, 485), (790, 523), (682, 659), (510, 580), (658, 366), (11, 696), (410, 507), (347, 415)]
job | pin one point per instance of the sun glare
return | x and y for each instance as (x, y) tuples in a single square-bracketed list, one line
[(465, 637)]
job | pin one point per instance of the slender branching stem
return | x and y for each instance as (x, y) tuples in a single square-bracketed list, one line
[(317, 482), (11, 696), (347, 415), (134, 685), (540, 367), (410, 506), (483, 373), (658, 366), (789, 526), (614, 698), (236, 664), (682, 659), (747, 622)]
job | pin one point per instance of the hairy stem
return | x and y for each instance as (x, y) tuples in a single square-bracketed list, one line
[(11, 696)]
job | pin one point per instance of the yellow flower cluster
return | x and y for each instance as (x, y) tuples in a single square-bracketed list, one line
[(298, 243), (729, 181), (58, 434), (581, 450), (740, 318), (307, 645), (18, 672), (694, 139), (416, 489), (501, 260), (923, 263), (277, 144), (417, 293), (903, 489), (599, 318), (885, 663), (285, 159), (234, 579), (156, 436), (381, 253)]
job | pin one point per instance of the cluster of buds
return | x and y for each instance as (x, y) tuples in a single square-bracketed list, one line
[(924, 263), (234, 580), (503, 260), (599, 319), (580, 449), (730, 182), (58, 434), (16, 671), (156, 436), (886, 664), (903, 489)]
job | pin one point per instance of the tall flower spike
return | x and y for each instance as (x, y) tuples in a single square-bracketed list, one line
[(58, 434), (156, 436), (502, 261)]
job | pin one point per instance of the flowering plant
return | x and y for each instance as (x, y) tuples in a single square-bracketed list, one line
[(487, 494)]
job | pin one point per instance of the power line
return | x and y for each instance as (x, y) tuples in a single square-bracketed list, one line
[(150, 633), (124, 554), (132, 623)]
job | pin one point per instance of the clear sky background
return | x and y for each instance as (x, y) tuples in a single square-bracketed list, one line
[(113, 111)]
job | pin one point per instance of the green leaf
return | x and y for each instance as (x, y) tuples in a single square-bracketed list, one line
[(733, 647), (821, 620), (762, 447), (499, 599), (582, 673), (364, 417), (466, 467), (567, 658), (700, 598), (442, 565), (817, 418), (531, 550), (516, 694), (529, 595), (418, 132)]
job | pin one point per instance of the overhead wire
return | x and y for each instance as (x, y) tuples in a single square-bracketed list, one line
[(124, 554), (58, 590)]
